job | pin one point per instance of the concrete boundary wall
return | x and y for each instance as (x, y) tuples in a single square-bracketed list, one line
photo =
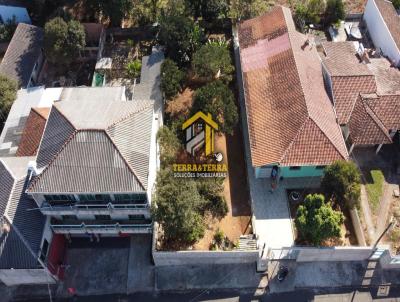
[(164, 258), (334, 254), (204, 257)]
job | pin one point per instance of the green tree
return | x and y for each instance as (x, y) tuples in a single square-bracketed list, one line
[(309, 11), (213, 61), (169, 145), (245, 9), (7, 30), (334, 11), (212, 191), (217, 99), (341, 182), (8, 94), (114, 10), (396, 4), (171, 78), (63, 41), (317, 221), (181, 37), (177, 208), (211, 10), (133, 69)]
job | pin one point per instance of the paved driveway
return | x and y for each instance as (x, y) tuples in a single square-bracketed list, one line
[(113, 265)]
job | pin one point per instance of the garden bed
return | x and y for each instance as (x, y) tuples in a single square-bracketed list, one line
[(374, 186), (347, 230)]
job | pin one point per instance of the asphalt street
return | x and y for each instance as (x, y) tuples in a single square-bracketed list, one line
[(324, 295)]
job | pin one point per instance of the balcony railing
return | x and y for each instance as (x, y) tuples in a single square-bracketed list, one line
[(74, 207), (96, 226)]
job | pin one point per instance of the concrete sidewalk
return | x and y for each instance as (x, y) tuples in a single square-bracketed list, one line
[(330, 274)]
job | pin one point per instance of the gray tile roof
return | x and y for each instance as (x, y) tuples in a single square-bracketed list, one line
[(149, 86), (20, 244), (89, 162), (57, 131), (6, 185), (22, 53), (106, 150)]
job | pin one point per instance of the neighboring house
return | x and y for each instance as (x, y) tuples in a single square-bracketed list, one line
[(28, 254), (24, 56), (20, 113), (96, 166), (291, 121), (365, 92), (33, 131), (24, 124), (383, 25), (8, 13)]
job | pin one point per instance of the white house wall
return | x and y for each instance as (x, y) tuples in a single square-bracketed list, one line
[(379, 32), (153, 158)]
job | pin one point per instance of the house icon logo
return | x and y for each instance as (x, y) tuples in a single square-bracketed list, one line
[(200, 130)]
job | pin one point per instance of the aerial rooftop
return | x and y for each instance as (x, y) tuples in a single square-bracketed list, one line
[(295, 126), (22, 53), (95, 146)]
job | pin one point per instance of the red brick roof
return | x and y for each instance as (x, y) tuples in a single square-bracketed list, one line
[(387, 109), (33, 132), (345, 91), (290, 117), (391, 18), (365, 127)]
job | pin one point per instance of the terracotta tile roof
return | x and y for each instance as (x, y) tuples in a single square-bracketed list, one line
[(387, 109), (33, 132), (387, 77), (391, 18), (288, 109), (365, 127), (341, 59), (345, 91)]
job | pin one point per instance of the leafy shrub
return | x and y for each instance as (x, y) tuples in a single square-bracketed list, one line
[(219, 237), (341, 181), (7, 30), (8, 94), (133, 68), (171, 79), (217, 99), (213, 61), (181, 37), (317, 221), (63, 41)]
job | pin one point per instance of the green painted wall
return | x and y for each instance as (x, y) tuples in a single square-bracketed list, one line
[(304, 171)]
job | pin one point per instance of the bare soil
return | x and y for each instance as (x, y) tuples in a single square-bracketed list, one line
[(238, 220)]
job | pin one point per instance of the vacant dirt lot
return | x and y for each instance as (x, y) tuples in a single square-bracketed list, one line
[(238, 221)]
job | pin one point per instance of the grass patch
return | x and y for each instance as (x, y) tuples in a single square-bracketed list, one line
[(375, 189)]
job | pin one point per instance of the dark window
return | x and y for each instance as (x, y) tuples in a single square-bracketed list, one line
[(69, 217), (320, 167), (136, 217), (294, 168), (102, 217), (44, 250)]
